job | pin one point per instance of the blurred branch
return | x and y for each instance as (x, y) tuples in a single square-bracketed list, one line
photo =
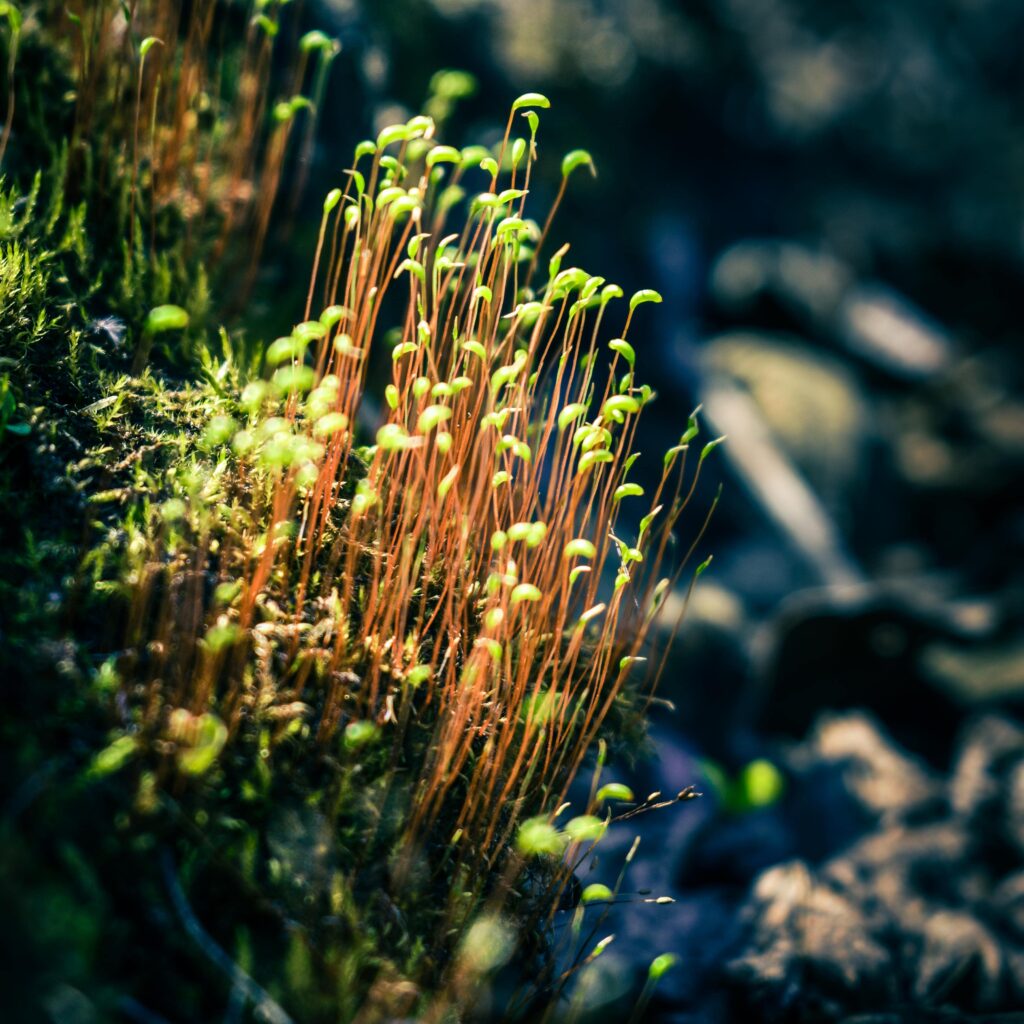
[(265, 1007)]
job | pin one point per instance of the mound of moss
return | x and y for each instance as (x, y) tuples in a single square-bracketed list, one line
[(150, 868)]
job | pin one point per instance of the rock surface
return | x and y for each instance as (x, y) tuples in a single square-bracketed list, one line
[(922, 915)]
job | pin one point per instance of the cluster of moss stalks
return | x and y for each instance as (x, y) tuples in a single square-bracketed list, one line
[(182, 855)]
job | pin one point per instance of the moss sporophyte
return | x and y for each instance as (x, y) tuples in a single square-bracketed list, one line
[(356, 673)]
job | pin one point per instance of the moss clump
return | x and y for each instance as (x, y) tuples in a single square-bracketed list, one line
[(296, 716)]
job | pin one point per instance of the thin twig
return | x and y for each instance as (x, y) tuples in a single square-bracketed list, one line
[(264, 1005)]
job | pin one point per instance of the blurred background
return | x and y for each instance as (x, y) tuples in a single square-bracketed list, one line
[(829, 195)]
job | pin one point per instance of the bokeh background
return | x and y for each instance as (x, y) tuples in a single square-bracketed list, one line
[(829, 194)]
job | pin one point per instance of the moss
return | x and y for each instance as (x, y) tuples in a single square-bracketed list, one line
[(200, 794)]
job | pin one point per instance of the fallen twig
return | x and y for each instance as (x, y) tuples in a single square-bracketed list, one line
[(266, 1008)]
